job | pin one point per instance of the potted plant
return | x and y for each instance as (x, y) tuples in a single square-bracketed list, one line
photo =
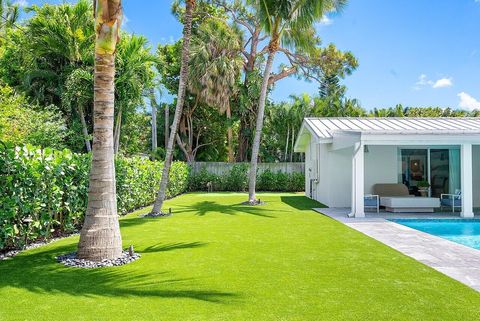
[(423, 187)]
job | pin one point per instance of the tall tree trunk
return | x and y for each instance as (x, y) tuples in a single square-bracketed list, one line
[(231, 156), (153, 104), (116, 132), (244, 137), (293, 143), (286, 145), (189, 155), (252, 180), (167, 124), (84, 129), (246, 123), (187, 31), (100, 236)]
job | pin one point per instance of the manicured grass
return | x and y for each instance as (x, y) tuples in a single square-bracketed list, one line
[(218, 260)]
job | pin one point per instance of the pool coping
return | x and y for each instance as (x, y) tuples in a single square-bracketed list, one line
[(455, 260)]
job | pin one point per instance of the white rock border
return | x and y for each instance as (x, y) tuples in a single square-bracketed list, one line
[(71, 260)]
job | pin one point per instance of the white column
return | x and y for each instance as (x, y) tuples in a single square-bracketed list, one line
[(467, 182), (358, 168)]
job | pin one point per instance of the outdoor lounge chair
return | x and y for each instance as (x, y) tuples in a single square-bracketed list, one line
[(451, 200), (372, 201), (396, 198)]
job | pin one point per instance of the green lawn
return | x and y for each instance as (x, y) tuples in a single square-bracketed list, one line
[(218, 260)]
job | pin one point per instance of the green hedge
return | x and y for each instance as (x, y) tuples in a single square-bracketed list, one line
[(237, 180), (44, 192)]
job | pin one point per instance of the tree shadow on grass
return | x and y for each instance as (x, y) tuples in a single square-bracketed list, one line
[(301, 203), (171, 247), (38, 272), (205, 207)]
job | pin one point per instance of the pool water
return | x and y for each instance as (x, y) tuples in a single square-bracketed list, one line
[(466, 232)]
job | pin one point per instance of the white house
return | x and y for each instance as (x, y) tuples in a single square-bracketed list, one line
[(348, 158)]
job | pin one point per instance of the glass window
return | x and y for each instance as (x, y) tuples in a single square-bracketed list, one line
[(414, 168)]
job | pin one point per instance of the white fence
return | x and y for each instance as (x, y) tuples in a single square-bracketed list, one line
[(222, 168)]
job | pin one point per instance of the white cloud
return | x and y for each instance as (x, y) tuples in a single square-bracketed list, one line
[(21, 3), (468, 102), (326, 21), (423, 81), (443, 83)]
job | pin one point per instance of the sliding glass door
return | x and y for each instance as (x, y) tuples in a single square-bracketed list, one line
[(437, 167)]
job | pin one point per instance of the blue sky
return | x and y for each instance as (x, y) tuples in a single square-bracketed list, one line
[(413, 52)]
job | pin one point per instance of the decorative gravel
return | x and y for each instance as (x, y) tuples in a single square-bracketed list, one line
[(257, 202), (34, 245), (71, 260), (156, 215)]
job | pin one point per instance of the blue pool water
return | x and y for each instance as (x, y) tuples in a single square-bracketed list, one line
[(466, 232)]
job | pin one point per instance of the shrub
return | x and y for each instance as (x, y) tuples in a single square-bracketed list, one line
[(44, 191), (198, 181), (24, 123), (236, 180), (280, 182)]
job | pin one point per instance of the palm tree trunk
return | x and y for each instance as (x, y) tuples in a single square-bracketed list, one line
[(293, 143), (231, 156), (286, 145), (252, 179), (167, 124), (116, 132), (187, 31), (154, 128), (100, 236), (84, 129), (153, 104)]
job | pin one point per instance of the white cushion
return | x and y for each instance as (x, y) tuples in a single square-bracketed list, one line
[(410, 202)]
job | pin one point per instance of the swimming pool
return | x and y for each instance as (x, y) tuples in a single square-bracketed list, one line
[(466, 232)]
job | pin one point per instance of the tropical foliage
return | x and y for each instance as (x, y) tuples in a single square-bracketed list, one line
[(22, 122)]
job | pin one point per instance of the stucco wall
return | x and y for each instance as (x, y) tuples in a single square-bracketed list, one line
[(337, 177), (308, 169), (381, 166)]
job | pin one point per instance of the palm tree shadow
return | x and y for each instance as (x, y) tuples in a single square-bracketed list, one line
[(38, 272), (171, 247), (205, 207)]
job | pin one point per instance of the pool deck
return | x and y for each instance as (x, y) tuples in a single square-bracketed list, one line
[(458, 261)]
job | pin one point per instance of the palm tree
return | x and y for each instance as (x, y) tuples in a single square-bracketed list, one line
[(77, 93), (9, 14), (187, 31), (134, 78), (100, 236), (289, 23), (216, 56), (65, 35)]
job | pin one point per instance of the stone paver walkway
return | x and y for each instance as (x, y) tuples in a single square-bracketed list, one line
[(459, 262)]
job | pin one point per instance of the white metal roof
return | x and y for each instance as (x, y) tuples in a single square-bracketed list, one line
[(325, 128)]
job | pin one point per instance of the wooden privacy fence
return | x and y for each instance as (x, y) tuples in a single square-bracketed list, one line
[(220, 168)]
